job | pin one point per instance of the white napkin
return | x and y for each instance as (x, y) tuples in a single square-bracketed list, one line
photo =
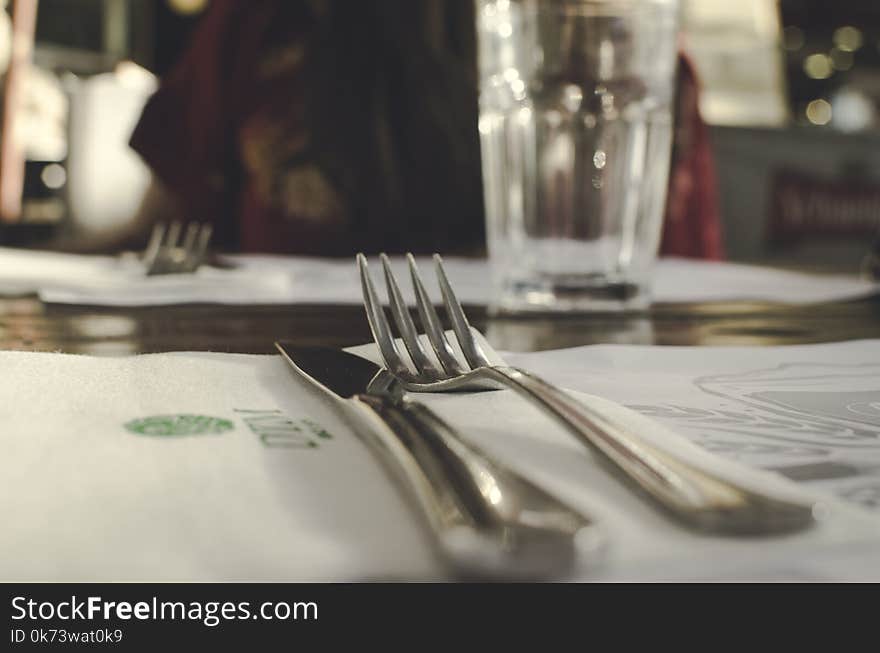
[(219, 467), (262, 494), (335, 281), (27, 271), (120, 281), (96, 280), (688, 280)]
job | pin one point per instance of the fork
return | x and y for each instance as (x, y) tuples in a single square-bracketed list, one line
[(695, 496), (168, 253)]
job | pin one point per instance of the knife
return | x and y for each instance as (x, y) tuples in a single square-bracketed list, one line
[(487, 521)]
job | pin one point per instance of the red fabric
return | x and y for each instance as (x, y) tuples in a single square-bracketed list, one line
[(195, 134), (192, 129), (693, 225), (184, 136)]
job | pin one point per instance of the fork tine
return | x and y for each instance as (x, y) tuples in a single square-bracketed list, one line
[(188, 244), (379, 323), (155, 241), (204, 238), (469, 347), (189, 238), (173, 234), (405, 325), (431, 322)]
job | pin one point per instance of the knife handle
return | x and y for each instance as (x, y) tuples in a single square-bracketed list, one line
[(487, 520)]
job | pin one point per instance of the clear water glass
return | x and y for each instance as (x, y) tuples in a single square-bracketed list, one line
[(576, 130)]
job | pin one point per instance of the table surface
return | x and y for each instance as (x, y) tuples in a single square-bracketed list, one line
[(28, 324)]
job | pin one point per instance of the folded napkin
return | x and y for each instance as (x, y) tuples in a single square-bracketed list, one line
[(188, 467), (219, 467), (256, 279)]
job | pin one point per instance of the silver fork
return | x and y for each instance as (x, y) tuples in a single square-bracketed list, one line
[(697, 497), (169, 253)]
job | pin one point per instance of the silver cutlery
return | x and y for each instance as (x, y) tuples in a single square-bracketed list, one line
[(487, 521), (173, 249), (695, 496), (871, 261)]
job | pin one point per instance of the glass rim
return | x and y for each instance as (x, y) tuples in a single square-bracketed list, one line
[(592, 7)]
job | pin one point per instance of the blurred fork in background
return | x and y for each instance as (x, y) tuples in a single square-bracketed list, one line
[(175, 250)]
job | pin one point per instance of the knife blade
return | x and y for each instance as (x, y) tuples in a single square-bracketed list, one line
[(487, 520)]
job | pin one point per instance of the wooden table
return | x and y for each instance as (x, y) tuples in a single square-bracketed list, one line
[(27, 324)]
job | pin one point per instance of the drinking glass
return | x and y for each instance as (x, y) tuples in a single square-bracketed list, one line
[(576, 131)]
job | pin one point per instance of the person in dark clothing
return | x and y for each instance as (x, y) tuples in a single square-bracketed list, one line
[(325, 128)]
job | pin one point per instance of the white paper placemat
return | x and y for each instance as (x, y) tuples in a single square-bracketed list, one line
[(809, 412), (225, 467)]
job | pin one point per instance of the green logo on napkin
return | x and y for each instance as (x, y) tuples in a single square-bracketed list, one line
[(179, 425)]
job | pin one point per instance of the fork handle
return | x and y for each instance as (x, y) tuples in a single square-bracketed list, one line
[(692, 495)]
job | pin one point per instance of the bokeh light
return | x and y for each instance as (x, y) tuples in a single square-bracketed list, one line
[(818, 66), (53, 176), (848, 38), (819, 112), (188, 6)]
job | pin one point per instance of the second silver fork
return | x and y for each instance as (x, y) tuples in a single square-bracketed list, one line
[(696, 497), (168, 252)]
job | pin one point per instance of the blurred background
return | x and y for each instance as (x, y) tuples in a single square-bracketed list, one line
[(791, 91), (92, 65)]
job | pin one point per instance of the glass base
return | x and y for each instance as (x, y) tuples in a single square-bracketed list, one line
[(571, 294)]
